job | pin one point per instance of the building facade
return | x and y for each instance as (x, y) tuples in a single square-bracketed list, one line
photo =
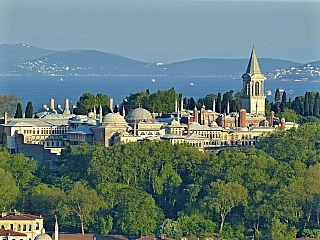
[(27, 224)]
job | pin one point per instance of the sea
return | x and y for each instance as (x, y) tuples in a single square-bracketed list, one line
[(40, 89)]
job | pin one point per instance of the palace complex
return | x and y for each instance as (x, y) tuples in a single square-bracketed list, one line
[(43, 138)]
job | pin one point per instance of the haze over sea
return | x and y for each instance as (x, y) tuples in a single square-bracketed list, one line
[(39, 89)]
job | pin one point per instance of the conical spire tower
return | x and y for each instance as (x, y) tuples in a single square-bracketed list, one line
[(253, 97), (253, 66)]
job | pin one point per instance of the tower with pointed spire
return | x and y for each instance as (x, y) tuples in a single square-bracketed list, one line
[(253, 97)]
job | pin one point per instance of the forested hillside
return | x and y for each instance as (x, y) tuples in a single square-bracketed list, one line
[(147, 188)]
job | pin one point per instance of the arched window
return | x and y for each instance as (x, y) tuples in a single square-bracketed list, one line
[(257, 88), (19, 227), (37, 226)]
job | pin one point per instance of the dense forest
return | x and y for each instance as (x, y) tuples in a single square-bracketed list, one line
[(151, 187)]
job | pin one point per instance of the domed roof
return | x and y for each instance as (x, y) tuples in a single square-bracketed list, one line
[(139, 114), (114, 119), (43, 236), (91, 121)]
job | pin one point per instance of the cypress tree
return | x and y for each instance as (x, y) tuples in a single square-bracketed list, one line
[(4, 141), (306, 105), (29, 110), (277, 100), (316, 106), (283, 103), (191, 104), (18, 111), (311, 103), (297, 106), (218, 107), (289, 103)]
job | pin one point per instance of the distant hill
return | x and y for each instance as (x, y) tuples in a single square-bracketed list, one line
[(22, 59), (17, 53)]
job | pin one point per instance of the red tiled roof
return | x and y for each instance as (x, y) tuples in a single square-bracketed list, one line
[(18, 216), (4, 232), (75, 236), (307, 239), (89, 237)]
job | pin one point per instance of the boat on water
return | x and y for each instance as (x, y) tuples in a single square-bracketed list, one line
[(281, 90), (298, 80), (269, 92), (191, 84), (153, 80), (61, 79), (290, 91)]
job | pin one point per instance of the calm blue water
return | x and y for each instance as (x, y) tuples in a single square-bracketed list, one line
[(40, 89)]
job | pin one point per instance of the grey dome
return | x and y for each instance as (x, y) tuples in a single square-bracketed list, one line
[(114, 119), (139, 114), (43, 236)]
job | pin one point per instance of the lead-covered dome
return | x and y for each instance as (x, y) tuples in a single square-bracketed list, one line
[(113, 119), (139, 114), (43, 236)]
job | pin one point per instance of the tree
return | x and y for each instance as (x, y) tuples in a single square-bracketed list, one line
[(306, 104), (170, 229), (138, 213), (207, 101), (289, 115), (277, 101), (8, 103), (29, 110), (18, 113), (195, 225), (280, 231), (82, 202), (4, 140), (316, 106), (224, 197), (88, 101), (8, 190), (297, 106), (283, 103), (219, 106), (46, 201)]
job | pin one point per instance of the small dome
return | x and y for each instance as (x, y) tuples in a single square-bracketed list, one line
[(90, 114), (43, 236), (114, 119), (139, 114), (91, 122)]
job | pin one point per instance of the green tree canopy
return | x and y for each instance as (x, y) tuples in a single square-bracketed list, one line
[(8, 190), (29, 110), (18, 113), (8, 103)]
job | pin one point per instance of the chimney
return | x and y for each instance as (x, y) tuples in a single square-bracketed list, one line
[(51, 103), (271, 118), (188, 122), (5, 115), (237, 121), (224, 121), (203, 110), (66, 107), (111, 104), (195, 114), (283, 123), (243, 118)]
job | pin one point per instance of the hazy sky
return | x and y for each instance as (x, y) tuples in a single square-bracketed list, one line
[(167, 30)]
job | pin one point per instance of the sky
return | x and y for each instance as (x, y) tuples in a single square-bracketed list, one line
[(167, 30)]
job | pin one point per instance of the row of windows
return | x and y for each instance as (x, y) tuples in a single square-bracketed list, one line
[(23, 227), (46, 131)]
